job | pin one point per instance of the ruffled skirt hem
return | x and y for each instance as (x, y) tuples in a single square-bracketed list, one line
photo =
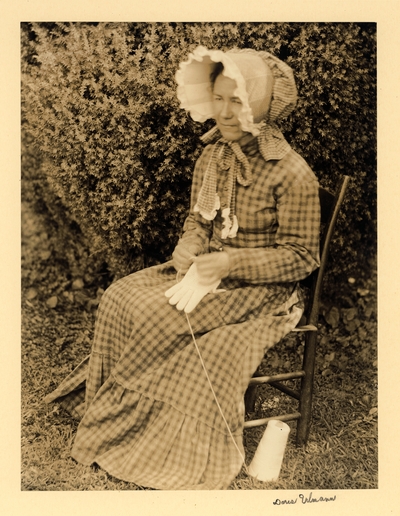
[(153, 444)]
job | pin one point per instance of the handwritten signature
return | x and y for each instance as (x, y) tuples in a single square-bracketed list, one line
[(305, 499)]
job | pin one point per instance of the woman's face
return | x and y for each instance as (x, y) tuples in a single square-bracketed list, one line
[(227, 108)]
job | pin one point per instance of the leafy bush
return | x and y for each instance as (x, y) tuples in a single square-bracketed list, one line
[(110, 153), (334, 127)]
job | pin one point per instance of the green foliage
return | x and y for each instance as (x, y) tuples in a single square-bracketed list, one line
[(334, 127), (109, 152)]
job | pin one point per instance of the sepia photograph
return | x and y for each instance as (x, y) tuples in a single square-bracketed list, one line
[(199, 257), (197, 203)]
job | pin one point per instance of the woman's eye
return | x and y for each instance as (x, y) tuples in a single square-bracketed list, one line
[(236, 101)]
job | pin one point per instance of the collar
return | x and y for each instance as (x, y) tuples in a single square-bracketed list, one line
[(271, 142), (233, 160)]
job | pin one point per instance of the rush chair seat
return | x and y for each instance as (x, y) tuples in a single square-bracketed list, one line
[(330, 207)]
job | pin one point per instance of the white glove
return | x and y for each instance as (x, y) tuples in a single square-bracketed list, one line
[(188, 293)]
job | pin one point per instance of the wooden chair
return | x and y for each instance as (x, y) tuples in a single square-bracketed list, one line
[(330, 207)]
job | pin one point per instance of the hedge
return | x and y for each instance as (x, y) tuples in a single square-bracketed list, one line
[(108, 153)]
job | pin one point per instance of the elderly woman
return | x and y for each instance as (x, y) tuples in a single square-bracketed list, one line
[(162, 406)]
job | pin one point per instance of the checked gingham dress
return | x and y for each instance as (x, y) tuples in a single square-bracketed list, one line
[(148, 413)]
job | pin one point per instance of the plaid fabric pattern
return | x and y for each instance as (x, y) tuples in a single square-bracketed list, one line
[(284, 93), (228, 155), (278, 216), (149, 415)]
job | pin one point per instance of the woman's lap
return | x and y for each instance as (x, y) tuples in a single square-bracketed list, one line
[(144, 348)]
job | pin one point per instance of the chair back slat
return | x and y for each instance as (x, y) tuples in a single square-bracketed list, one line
[(326, 200), (330, 208)]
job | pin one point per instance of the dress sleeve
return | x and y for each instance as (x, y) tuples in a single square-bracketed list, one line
[(295, 253), (197, 230)]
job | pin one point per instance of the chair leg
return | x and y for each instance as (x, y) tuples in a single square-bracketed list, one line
[(250, 398), (306, 391)]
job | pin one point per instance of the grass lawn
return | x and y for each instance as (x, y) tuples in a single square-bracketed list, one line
[(58, 313)]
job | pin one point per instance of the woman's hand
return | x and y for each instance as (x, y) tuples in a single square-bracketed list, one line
[(183, 257), (212, 266)]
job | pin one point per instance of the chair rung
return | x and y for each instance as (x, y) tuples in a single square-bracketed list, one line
[(256, 380), (306, 327), (264, 421), (285, 389)]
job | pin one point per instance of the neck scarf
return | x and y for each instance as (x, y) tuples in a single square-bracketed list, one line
[(228, 158), (266, 88)]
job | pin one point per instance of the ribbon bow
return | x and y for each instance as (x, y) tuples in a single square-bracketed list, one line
[(228, 156)]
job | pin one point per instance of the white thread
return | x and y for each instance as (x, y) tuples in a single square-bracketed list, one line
[(267, 461), (215, 396)]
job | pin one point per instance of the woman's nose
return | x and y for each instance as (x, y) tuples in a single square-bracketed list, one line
[(226, 111)]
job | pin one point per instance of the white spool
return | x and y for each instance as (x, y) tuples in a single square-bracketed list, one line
[(267, 461)]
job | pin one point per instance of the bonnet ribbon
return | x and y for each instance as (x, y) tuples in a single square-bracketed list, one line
[(228, 157)]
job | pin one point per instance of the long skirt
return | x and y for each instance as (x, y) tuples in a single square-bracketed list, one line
[(149, 415)]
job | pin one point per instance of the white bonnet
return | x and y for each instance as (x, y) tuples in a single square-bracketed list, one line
[(265, 85)]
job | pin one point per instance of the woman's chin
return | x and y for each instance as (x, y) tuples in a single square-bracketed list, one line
[(231, 134)]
